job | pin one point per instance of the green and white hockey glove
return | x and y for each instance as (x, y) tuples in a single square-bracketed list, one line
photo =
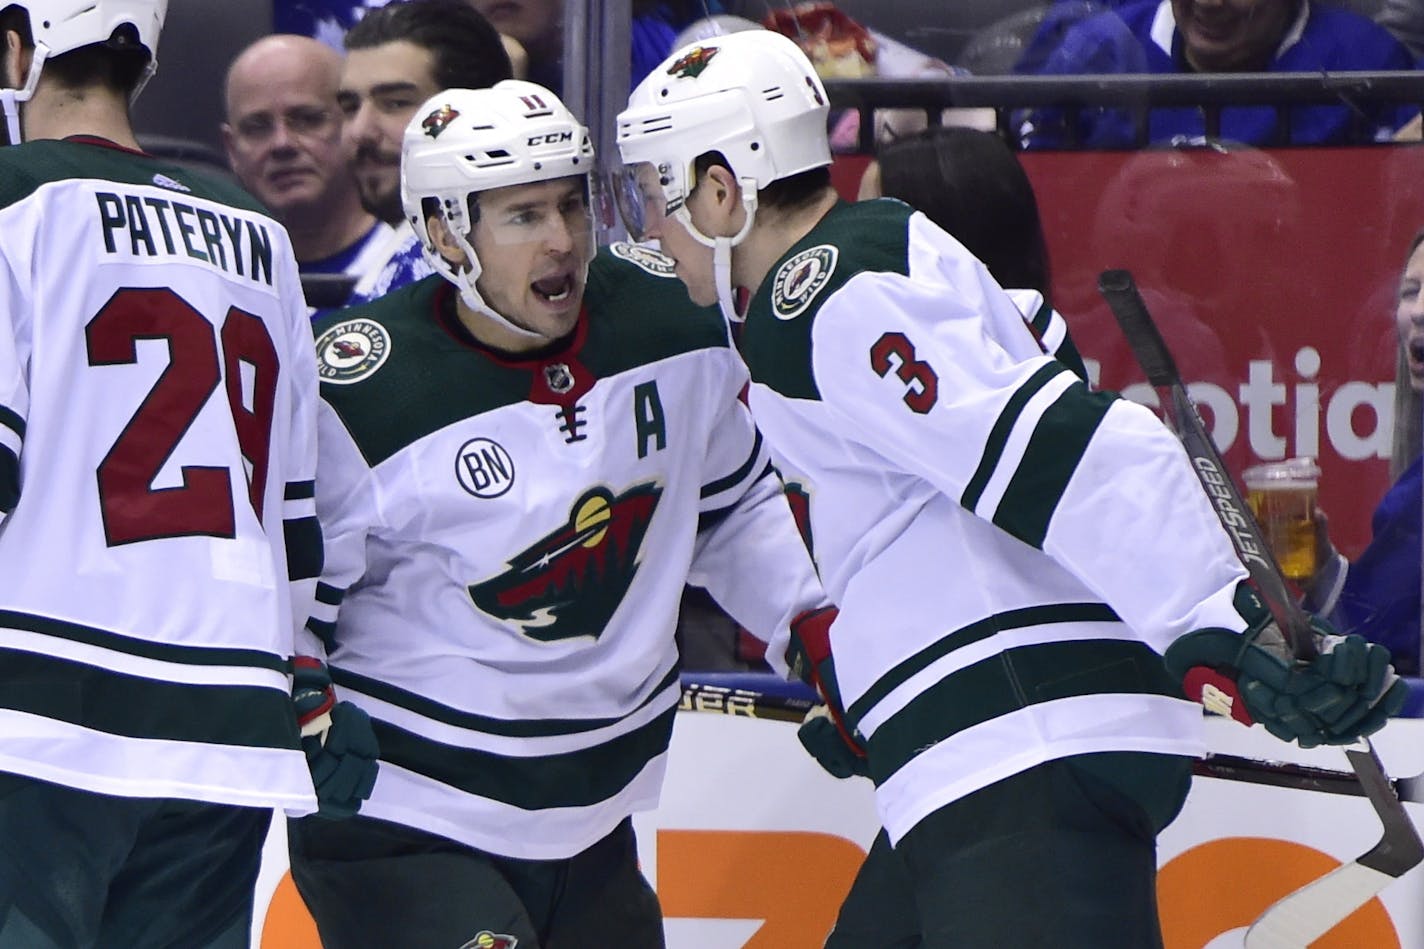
[(1347, 692), (337, 738), (824, 732)]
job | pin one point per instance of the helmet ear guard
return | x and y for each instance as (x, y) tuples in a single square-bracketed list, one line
[(61, 26), (465, 141)]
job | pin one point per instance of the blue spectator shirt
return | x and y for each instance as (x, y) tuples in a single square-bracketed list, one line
[(1142, 37), (1381, 597)]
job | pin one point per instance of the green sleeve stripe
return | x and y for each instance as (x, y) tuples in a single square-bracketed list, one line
[(142, 648), (1012, 680), (580, 778), (1048, 463), (973, 633), (323, 630), (999, 434), (12, 420), (299, 490), (302, 537), (133, 706), (738, 476), (1042, 318), (426, 707)]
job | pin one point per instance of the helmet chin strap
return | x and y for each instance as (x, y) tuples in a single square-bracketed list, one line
[(10, 99), (465, 279), (722, 251)]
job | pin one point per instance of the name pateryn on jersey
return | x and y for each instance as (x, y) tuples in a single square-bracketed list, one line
[(143, 225)]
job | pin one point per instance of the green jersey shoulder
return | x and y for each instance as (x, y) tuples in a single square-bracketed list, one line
[(27, 167), (871, 236)]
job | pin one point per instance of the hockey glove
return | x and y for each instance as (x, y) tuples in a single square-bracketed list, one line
[(824, 733), (1347, 692), (337, 738)]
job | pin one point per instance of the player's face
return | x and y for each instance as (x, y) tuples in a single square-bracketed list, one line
[(381, 87), (1226, 35), (283, 135), (692, 259), (1409, 317), (535, 243)]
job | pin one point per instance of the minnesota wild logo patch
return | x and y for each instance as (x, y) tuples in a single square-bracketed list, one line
[(351, 350), (569, 582), (799, 280), (645, 258)]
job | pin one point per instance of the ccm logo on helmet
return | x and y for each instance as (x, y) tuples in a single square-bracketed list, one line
[(553, 138)]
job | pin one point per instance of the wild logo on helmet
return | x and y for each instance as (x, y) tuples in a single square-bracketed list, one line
[(569, 582), (439, 120), (691, 65)]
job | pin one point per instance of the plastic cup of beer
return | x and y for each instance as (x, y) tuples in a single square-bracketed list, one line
[(1282, 496)]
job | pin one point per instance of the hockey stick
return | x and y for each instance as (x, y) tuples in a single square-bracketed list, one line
[(747, 695), (1308, 913), (763, 695)]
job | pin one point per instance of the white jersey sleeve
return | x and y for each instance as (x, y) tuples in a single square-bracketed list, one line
[(1095, 481), (749, 553)]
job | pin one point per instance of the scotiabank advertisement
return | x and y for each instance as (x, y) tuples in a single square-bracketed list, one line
[(1272, 275)]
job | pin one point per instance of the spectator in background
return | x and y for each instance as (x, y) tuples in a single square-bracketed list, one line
[(398, 56), (1378, 595), (538, 26), (970, 183), (1186, 36), (1404, 19), (283, 141)]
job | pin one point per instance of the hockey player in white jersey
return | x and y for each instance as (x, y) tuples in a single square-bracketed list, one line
[(523, 460), (158, 542), (1013, 555)]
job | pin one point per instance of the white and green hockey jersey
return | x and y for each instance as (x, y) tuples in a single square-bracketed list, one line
[(1010, 552), (159, 546), (508, 541)]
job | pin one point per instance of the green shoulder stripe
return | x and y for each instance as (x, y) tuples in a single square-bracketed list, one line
[(395, 375), (638, 316), (776, 342), (26, 167)]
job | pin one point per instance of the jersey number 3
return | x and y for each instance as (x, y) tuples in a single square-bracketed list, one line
[(133, 509), (922, 381)]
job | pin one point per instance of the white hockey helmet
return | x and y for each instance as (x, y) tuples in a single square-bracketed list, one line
[(464, 141), (753, 96), (61, 26)]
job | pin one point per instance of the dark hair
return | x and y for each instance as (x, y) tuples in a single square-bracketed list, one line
[(971, 184), (117, 64), (467, 50), (789, 193)]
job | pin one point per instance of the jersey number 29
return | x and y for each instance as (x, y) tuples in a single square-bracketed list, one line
[(199, 359)]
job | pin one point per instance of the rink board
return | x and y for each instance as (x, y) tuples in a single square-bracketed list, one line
[(754, 845)]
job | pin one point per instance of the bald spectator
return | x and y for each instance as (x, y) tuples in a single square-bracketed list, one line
[(283, 141)]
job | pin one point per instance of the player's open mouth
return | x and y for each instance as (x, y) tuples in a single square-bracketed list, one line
[(554, 289)]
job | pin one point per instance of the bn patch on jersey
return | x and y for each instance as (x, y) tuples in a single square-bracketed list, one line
[(351, 350), (799, 280), (655, 263)]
